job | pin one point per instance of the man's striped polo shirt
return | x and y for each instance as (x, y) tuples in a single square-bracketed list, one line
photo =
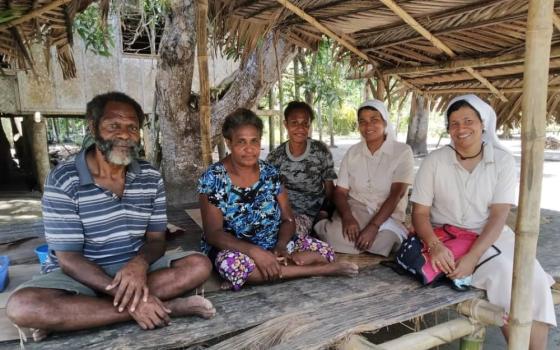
[(80, 216)]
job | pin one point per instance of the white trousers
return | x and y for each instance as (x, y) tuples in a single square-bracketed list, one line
[(495, 276)]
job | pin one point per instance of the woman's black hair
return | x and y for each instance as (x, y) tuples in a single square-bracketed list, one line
[(241, 117), (298, 105), (457, 105), (95, 109)]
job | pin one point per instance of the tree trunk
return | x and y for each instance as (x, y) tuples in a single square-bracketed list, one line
[(222, 153), (320, 121), (180, 126), (417, 136), (331, 127), (178, 112), (152, 143)]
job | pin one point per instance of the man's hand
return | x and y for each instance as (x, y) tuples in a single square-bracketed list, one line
[(266, 263), (131, 282), (151, 314), (350, 227), (366, 238)]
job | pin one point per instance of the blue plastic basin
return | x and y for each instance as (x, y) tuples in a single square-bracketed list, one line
[(4, 276)]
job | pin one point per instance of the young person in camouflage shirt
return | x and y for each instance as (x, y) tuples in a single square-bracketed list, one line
[(306, 167)]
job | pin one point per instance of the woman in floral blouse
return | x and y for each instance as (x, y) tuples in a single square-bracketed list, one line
[(249, 229)]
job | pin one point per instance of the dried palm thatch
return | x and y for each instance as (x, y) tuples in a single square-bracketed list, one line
[(439, 48), (23, 22)]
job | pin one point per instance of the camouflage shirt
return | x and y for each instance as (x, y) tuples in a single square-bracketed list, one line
[(304, 176)]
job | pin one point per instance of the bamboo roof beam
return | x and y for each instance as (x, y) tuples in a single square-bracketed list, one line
[(32, 14), (399, 11), (481, 91), (556, 20), (338, 38), (458, 64)]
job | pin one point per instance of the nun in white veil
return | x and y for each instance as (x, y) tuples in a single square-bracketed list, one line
[(370, 193), (471, 184)]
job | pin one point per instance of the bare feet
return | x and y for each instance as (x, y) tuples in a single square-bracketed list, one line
[(193, 305), (226, 285), (39, 334), (343, 268), (307, 258)]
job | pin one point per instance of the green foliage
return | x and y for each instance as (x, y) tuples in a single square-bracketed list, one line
[(97, 39), (344, 121), (10, 14)]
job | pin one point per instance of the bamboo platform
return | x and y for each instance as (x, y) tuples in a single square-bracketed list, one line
[(312, 313)]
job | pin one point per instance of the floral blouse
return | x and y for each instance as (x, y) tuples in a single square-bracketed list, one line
[(250, 213)]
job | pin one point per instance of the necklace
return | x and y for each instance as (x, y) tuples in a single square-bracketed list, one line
[(471, 157)]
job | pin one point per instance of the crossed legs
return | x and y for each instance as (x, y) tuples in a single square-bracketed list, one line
[(57, 310)]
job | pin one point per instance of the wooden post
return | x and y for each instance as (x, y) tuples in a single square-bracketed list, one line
[(535, 80), (281, 107), (271, 131), (204, 104), (35, 132)]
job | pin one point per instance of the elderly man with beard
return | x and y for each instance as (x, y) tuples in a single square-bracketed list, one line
[(105, 216)]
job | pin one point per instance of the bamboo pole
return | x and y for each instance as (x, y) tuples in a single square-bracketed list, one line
[(535, 79), (281, 106), (271, 105), (204, 103), (422, 340), (405, 16)]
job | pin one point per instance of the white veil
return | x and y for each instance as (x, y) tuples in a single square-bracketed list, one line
[(488, 116), (380, 107)]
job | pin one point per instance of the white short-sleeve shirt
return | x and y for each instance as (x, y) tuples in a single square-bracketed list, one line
[(460, 198), (368, 177)]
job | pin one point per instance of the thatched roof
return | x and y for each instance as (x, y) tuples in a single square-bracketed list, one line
[(474, 46), (23, 22)]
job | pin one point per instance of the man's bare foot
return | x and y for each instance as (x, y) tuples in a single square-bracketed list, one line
[(307, 258), (193, 305), (342, 268)]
